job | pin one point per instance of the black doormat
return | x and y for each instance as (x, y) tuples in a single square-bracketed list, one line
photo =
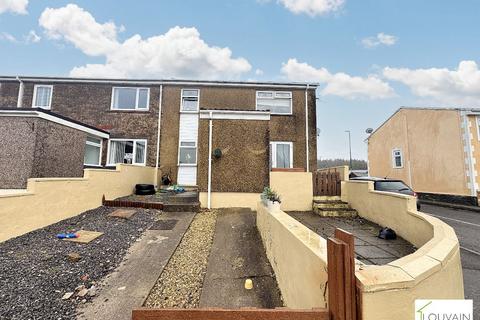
[(168, 224)]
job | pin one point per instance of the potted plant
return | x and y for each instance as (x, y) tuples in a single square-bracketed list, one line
[(270, 199)]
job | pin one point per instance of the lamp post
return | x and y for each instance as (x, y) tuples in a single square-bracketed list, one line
[(350, 147)]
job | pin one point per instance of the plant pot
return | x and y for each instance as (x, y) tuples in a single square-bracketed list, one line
[(273, 206)]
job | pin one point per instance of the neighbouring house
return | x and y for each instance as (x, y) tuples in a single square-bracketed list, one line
[(245, 128), (38, 143), (434, 150)]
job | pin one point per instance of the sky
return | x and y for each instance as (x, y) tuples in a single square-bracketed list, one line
[(370, 57)]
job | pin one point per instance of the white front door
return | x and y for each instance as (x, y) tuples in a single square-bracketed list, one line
[(187, 149)]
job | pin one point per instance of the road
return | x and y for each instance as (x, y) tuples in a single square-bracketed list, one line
[(467, 226)]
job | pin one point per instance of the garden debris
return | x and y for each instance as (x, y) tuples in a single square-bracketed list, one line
[(92, 291), (67, 295), (68, 235), (74, 257), (82, 293), (249, 284), (387, 234), (85, 236), (122, 213)]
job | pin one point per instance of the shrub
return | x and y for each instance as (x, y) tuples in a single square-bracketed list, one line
[(271, 195)]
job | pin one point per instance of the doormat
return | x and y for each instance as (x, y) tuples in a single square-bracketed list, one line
[(168, 224), (85, 236)]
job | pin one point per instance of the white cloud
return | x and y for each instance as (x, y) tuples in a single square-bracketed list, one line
[(8, 37), (459, 86), (310, 7), (15, 6), (380, 39), (338, 84), (179, 53), (259, 72), (32, 37)]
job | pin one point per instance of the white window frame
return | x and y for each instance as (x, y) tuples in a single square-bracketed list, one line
[(181, 101), (477, 121), (100, 154), (274, 93), (394, 163), (196, 153), (134, 151), (136, 108), (34, 98), (273, 146)]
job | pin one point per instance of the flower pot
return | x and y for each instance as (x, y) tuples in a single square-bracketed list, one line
[(273, 206)]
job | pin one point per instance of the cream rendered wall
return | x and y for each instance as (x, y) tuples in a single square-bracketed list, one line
[(49, 200), (295, 189), (432, 146)]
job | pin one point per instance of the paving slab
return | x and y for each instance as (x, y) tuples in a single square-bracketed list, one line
[(85, 236), (238, 254), (369, 248), (122, 213), (129, 285)]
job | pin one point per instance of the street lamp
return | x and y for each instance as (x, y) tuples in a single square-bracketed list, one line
[(350, 147)]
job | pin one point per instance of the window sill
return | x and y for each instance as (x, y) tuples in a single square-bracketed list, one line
[(187, 164), (129, 111)]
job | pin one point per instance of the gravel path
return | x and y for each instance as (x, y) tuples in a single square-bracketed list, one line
[(35, 272), (180, 283)]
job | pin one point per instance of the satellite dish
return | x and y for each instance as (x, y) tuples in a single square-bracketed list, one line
[(369, 130)]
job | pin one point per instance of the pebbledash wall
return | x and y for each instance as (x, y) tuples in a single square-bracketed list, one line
[(299, 257), (49, 200), (37, 148)]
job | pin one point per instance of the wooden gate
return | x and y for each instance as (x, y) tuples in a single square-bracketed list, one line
[(342, 299), (326, 183)]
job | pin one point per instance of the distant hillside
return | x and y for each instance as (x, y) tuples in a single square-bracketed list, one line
[(356, 163)]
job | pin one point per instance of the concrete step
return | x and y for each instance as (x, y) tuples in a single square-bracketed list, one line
[(335, 212), (182, 207), (330, 204), (327, 198)]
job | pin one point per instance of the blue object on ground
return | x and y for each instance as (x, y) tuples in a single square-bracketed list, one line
[(67, 235)]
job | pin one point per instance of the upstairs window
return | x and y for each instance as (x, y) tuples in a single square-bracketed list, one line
[(130, 98), (277, 102), (93, 152), (190, 100), (397, 158), (42, 96), (130, 151), (281, 154)]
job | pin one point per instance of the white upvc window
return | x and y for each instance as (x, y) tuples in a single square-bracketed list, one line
[(397, 158), (42, 96), (93, 152), (187, 153), (129, 151), (277, 102), (130, 98), (281, 154), (190, 100)]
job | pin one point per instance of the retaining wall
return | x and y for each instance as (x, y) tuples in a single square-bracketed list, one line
[(297, 255), (49, 200), (434, 271)]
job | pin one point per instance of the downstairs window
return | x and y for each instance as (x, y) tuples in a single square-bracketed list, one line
[(129, 151)]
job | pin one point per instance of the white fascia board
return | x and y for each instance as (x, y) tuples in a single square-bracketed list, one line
[(168, 82), (234, 115), (48, 117)]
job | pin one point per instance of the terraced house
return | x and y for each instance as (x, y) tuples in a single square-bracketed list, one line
[(243, 129)]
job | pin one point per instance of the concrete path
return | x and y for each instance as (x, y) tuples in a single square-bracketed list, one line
[(467, 227), (131, 282), (237, 254), (368, 247)]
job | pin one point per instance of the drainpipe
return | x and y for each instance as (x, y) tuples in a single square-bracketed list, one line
[(20, 93), (306, 128), (158, 134), (210, 128)]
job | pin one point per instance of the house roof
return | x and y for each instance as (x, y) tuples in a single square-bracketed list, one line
[(165, 82), (472, 110), (54, 117)]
